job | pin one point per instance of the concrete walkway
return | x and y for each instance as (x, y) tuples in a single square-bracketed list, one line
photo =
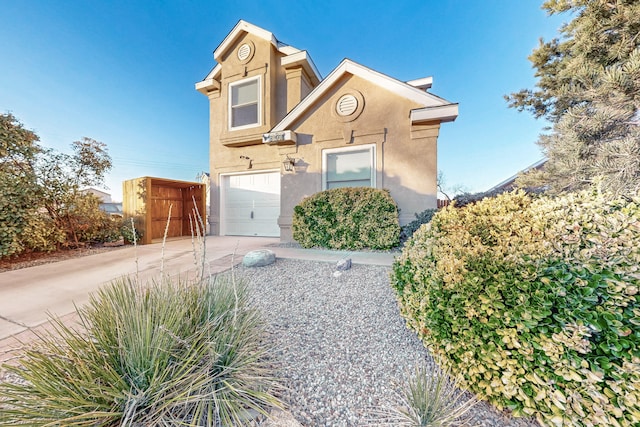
[(30, 296)]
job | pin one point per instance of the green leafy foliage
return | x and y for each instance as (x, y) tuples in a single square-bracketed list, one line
[(171, 353), (41, 234), (18, 150), (85, 222), (129, 231), (14, 212), (421, 218), (61, 177), (347, 218), (42, 206), (534, 302)]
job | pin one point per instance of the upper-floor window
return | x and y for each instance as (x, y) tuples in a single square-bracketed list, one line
[(349, 167), (244, 103)]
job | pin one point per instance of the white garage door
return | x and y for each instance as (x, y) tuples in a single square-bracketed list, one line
[(251, 204)]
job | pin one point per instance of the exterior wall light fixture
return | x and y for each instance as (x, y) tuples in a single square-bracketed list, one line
[(250, 161), (288, 164)]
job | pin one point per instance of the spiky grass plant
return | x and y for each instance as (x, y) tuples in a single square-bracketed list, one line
[(173, 353), (432, 398)]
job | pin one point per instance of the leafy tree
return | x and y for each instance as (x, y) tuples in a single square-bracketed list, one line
[(18, 151), (42, 205), (589, 89), (61, 177)]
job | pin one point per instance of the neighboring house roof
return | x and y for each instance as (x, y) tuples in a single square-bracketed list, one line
[(102, 195), (292, 55), (114, 209), (435, 108), (509, 182)]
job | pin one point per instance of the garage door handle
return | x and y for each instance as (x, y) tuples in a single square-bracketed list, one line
[(251, 214)]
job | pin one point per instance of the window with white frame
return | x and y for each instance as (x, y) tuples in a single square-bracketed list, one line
[(244, 103), (349, 167)]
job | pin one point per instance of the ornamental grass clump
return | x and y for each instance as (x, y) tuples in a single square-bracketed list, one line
[(172, 353), (347, 218), (432, 398), (534, 302)]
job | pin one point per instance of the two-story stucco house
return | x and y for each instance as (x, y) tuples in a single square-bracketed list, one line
[(280, 132)]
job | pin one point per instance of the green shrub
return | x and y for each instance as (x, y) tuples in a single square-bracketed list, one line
[(16, 206), (422, 218), (18, 193), (127, 230), (41, 234), (170, 354), (347, 218), (534, 303), (84, 222)]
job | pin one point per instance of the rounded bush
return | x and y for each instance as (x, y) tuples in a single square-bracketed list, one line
[(534, 302), (347, 218)]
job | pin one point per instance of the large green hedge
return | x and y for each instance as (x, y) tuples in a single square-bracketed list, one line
[(347, 218), (534, 302)]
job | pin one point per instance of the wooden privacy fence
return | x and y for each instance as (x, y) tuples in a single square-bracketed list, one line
[(443, 203), (153, 201)]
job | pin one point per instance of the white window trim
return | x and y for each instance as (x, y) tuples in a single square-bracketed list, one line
[(229, 108), (371, 147)]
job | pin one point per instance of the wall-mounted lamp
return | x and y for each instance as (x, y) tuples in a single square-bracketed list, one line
[(288, 164), (250, 161)]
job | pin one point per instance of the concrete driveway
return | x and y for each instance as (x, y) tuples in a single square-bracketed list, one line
[(29, 296)]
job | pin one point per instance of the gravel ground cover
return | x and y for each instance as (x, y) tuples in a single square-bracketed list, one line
[(341, 345), (343, 348)]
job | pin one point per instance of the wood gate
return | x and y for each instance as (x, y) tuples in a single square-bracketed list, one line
[(156, 202)]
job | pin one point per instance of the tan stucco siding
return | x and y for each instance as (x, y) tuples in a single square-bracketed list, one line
[(263, 64), (405, 154), (406, 166), (226, 145)]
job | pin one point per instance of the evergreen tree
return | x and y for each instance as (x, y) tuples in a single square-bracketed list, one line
[(589, 89)]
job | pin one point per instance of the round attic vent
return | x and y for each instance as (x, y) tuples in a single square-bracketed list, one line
[(244, 51), (346, 105)]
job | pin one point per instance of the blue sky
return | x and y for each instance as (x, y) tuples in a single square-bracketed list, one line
[(123, 72)]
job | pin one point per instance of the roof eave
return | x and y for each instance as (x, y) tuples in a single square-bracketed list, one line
[(347, 66), (246, 27), (440, 113), (423, 83), (303, 59), (207, 86), (243, 26)]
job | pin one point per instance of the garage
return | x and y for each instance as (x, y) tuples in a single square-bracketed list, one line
[(250, 204)]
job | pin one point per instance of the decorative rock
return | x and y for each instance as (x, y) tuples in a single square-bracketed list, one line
[(259, 258), (343, 264)]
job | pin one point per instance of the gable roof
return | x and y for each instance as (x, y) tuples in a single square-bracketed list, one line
[(507, 183), (435, 108), (243, 27)]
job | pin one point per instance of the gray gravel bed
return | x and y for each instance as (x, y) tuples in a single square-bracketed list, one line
[(342, 344)]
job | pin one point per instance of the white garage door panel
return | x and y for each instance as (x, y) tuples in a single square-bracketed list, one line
[(251, 204)]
